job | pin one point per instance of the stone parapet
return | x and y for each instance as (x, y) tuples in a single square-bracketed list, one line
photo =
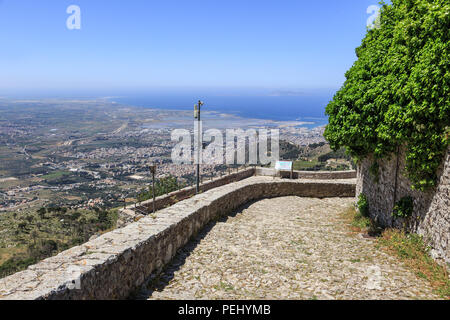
[(316, 175), (118, 263), (133, 212)]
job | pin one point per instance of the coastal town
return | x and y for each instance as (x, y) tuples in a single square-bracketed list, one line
[(102, 158)]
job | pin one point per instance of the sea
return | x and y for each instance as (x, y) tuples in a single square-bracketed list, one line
[(306, 105), (308, 108)]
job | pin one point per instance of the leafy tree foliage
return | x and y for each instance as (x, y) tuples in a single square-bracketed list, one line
[(397, 92)]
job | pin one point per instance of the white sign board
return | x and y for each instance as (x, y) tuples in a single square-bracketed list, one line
[(283, 165)]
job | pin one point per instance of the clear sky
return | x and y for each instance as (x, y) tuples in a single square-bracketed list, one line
[(280, 44)]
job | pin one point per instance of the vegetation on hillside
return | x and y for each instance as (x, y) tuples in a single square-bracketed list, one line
[(289, 151), (28, 237), (162, 186), (339, 154), (397, 92), (319, 157)]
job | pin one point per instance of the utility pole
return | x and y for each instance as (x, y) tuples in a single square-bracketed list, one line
[(197, 109)]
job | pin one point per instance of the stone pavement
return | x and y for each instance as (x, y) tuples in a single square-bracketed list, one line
[(285, 248)]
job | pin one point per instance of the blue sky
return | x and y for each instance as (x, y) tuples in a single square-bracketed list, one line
[(140, 44)]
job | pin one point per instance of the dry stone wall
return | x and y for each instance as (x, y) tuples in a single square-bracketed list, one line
[(118, 263), (431, 213)]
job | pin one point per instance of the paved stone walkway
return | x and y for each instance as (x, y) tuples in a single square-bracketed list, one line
[(286, 248)]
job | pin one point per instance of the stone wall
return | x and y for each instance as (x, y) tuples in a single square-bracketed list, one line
[(318, 175), (118, 263), (131, 213), (431, 215)]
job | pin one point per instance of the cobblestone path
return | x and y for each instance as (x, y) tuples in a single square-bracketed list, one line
[(286, 248)]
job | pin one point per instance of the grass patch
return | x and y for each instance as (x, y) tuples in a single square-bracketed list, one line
[(8, 253), (303, 164), (224, 286), (56, 175), (411, 249), (408, 247), (357, 221)]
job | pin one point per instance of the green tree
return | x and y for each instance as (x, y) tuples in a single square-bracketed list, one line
[(41, 212), (397, 92)]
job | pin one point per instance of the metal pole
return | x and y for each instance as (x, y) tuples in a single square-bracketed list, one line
[(153, 190), (292, 170), (198, 147)]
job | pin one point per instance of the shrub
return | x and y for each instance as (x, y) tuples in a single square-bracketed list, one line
[(15, 264), (403, 208), (363, 205)]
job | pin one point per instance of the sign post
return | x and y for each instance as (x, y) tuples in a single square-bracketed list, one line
[(284, 166)]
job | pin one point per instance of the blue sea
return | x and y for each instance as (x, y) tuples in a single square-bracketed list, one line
[(306, 107)]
